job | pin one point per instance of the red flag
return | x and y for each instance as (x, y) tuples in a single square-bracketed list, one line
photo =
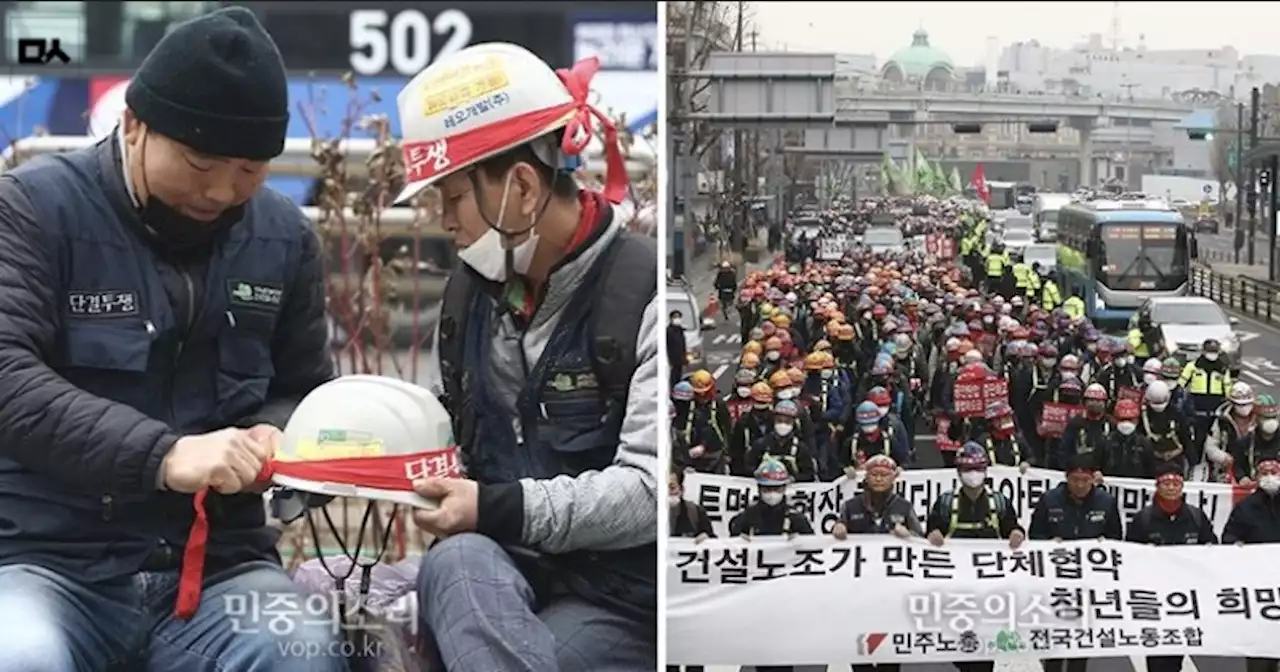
[(979, 182)]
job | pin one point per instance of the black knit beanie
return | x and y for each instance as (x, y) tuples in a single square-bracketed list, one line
[(217, 84)]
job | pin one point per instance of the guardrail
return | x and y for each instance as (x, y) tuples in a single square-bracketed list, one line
[(1253, 297)]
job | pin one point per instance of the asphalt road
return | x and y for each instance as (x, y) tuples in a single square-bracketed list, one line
[(1260, 346)]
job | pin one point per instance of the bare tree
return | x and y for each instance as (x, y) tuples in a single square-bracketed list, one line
[(714, 28), (1223, 145)]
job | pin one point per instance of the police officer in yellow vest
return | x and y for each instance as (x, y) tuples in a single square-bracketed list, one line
[(1021, 276), (1034, 281), (1146, 339), (1050, 295), (996, 264), (1207, 379), (1073, 306)]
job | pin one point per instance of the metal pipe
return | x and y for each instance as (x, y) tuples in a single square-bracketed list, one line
[(1238, 238), (296, 160), (1255, 103)]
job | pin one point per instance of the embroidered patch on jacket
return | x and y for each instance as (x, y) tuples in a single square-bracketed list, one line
[(254, 294), (102, 304)]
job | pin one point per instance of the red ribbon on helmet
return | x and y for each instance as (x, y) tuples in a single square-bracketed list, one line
[(391, 472), (425, 159)]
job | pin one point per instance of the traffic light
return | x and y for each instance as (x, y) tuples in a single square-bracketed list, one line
[(966, 128), (1264, 177), (1198, 134), (1042, 127)]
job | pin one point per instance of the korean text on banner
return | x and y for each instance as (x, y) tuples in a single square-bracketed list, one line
[(881, 600), (725, 496)]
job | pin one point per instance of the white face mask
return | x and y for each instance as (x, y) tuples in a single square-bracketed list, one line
[(1126, 428), (1211, 356), (772, 355), (772, 498), (674, 500), (827, 374), (1270, 425), (868, 429), (744, 392), (1122, 361), (783, 428), (1244, 410), (488, 254), (1149, 378), (1269, 484), (973, 479), (1159, 408)]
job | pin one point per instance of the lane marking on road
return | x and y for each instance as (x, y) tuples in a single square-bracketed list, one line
[(720, 371), (1256, 378), (726, 339), (1246, 336)]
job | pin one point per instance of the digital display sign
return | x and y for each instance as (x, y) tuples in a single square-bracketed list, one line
[(1147, 232)]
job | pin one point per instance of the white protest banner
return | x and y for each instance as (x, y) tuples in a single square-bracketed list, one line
[(723, 497), (832, 248), (818, 601)]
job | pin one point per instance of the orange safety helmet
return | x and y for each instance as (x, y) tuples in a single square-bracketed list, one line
[(823, 345), (761, 393), (796, 376), (749, 360), (779, 380), (773, 343), (702, 381), (845, 333), (813, 361), (753, 347)]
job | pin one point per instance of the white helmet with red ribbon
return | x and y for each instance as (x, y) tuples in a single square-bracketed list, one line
[(366, 436), (489, 98)]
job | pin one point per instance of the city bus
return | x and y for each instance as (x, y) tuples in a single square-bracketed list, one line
[(1116, 254)]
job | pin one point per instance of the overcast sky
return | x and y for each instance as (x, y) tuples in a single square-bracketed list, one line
[(961, 28)]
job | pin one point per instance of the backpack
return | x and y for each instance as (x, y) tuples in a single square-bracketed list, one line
[(623, 283)]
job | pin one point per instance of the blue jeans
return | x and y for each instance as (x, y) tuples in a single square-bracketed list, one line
[(53, 623), (479, 610)]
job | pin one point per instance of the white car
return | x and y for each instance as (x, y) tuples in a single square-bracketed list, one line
[(679, 298), (1017, 239), (1188, 321)]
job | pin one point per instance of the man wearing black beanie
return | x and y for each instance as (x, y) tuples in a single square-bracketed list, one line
[(162, 314)]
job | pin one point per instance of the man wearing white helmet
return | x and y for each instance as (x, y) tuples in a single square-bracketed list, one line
[(546, 357)]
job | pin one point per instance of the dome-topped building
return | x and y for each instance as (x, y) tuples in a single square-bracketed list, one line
[(920, 64)]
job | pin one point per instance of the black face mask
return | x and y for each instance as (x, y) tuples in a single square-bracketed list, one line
[(177, 232), (182, 234)]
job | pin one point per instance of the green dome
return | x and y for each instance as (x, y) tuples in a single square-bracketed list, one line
[(919, 59)]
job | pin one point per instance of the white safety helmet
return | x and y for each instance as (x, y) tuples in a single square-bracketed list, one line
[(489, 98), (370, 416), (1153, 365)]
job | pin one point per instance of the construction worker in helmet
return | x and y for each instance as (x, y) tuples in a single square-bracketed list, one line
[(1003, 442), (1230, 433), (1122, 454), (740, 401), (769, 515), (1261, 445), (694, 443), (726, 284), (973, 510), (785, 443), (826, 399), (751, 428), (878, 509), (1252, 521), (871, 436), (1086, 433), (1166, 433)]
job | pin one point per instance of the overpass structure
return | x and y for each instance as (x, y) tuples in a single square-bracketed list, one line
[(771, 90)]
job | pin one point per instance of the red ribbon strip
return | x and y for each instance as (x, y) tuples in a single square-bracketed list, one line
[(392, 472), (424, 160)]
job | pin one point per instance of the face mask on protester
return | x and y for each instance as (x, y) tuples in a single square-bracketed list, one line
[(973, 479), (489, 256), (771, 498), (1126, 428), (783, 428)]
